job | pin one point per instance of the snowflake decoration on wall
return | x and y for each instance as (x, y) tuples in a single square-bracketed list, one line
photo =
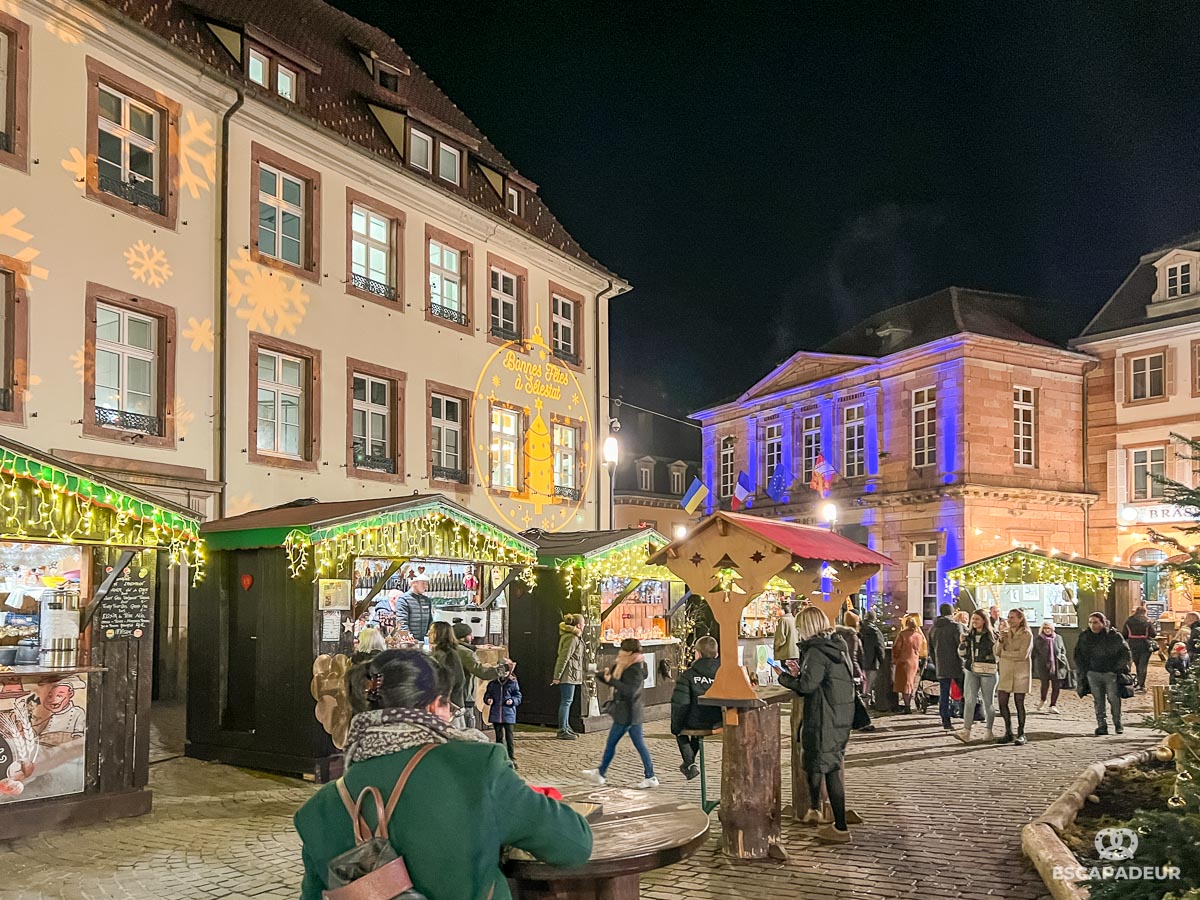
[(26, 255), (197, 156), (84, 363), (235, 506), (77, 166), (200, 333), (268, 301), (148, 264), (183, 415)]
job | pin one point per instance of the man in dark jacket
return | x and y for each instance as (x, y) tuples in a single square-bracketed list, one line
[(943, 646), (1141, 635), (1101, 657), (414, 610), (686, 710), (872, 652)]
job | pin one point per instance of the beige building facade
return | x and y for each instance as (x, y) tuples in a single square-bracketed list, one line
[(247, 259), (948, 430)]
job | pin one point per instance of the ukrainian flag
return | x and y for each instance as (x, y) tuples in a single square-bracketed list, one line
[(694, 497)]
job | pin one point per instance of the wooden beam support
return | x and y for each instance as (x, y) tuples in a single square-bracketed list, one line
[(361, 605), (93, 606), (499, 589), (629, 589)]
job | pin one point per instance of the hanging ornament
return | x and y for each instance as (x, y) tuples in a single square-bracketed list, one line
[(1175, 802), (1164, 754), (1184, 776)]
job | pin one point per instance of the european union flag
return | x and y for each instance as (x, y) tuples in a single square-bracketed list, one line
[(780, 483), (695, 495)]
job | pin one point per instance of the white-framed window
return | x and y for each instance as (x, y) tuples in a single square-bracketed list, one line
[(810, 446), (445, 281), (420, 150), (645, 479), (1147, 377), (926, 552), (1024, 422), (504, 303), (449, 163), (726, 468), (562, 317), (924, 427), (280, 215), (371, 421), (565, 440), (1179, 280), (677, 481), (512, 201), (446, 428), (372, 251), (126, 361), (285, 83), (854, 441), (128, 142), (258, 67), (281, 404), (506, 442), (1148, 463), (772, 448)]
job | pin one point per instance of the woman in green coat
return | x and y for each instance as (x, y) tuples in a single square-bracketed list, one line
[(823, 678), (462, 803)]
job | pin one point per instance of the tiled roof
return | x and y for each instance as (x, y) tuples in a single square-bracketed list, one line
[(1126, 308), (338, 96), (947, 312)]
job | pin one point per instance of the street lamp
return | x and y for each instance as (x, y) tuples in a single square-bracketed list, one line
[(829, 512), (612, 455), (680, 532)]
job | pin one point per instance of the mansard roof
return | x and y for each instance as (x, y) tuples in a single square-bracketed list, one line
[(340, 89)]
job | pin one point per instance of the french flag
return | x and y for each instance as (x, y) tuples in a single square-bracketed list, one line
[(743, 491)]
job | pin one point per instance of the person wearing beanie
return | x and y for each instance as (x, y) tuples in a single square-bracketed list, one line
[(473, 669)]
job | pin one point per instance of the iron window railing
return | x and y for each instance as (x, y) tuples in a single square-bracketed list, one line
[(449, 314), (131, 192), (569, 493), (443, 473), (363, 460), (566, 355), (505, 334), (378, 288), (129, 421)]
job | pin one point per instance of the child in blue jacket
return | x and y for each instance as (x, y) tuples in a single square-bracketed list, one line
[(502, 697)]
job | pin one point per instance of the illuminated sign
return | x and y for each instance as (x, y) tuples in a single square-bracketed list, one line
[(1155, 513), (537, 476)]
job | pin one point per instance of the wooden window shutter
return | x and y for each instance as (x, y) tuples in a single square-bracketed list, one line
[(1122, 476), (1119, 379), (1169, 366), (1184, 470), (916, 587)]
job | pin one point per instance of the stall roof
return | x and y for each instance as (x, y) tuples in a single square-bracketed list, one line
[(298, 514), (1028, 566), (602, 554), (807, 541), (1121, 572), (104, 511)]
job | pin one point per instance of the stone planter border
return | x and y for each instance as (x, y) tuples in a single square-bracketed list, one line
[(1041, 839)]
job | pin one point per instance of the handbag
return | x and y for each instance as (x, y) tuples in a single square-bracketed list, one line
[(1125, 683), (862, 718), (372, 870), (984, 668)]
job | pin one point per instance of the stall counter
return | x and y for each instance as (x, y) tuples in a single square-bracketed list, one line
[(658, 690)]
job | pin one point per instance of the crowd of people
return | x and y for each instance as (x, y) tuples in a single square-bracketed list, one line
[(416, 738)]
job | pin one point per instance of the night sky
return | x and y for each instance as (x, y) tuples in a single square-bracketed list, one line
[(767, 175)]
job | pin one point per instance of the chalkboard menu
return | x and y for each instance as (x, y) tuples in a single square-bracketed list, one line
[(125, 611)]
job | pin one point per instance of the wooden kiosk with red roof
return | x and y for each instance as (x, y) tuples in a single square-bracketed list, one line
[(732, 557)]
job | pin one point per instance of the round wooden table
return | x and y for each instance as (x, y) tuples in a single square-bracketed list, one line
[(636, 832)]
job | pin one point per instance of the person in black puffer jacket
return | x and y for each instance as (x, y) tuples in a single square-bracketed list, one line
[(686, 711), (824, 679), (1101, 658), (626, 679)]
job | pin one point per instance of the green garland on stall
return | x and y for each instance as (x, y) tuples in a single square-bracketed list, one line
[(1022, 567), (625, 558)]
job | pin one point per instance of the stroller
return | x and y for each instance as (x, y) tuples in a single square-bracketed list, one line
[(928, 693)]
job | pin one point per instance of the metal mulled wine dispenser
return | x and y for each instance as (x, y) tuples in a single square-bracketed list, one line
[(59, 629)]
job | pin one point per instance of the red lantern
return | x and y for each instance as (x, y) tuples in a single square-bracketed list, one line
[(247, 582)]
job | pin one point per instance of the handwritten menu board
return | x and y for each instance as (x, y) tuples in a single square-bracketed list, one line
[(125, 611)]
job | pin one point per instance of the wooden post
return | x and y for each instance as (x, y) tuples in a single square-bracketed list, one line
[(799, 781), (751, 784)]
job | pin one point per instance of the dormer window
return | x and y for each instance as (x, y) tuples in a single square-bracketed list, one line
[(285, 83), (420, 150), (449, 162), (645, 478), (274, 73), (1179, 280), (512, 201), (387, 77), (258, 67)]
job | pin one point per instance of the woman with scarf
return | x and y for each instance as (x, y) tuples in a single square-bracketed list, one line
[(568, 671), (1050, 664), (464, 786), (626, 708)]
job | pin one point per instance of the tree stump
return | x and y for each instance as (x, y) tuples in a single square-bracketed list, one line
[(751, 784)]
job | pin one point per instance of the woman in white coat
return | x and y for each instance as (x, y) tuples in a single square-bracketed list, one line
[(1012, 653)]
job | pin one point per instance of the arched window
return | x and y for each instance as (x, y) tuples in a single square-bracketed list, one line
[(1148, 556)]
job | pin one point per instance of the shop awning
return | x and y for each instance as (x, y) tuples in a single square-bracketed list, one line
[(320, 537), (1028, 566), (596, 555), (47, 499)]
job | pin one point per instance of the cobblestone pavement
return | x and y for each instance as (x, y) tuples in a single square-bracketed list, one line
[(942, 820)]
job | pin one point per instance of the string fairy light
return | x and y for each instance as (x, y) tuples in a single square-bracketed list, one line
[(41, 501), (1024, 567), (624, 559)]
